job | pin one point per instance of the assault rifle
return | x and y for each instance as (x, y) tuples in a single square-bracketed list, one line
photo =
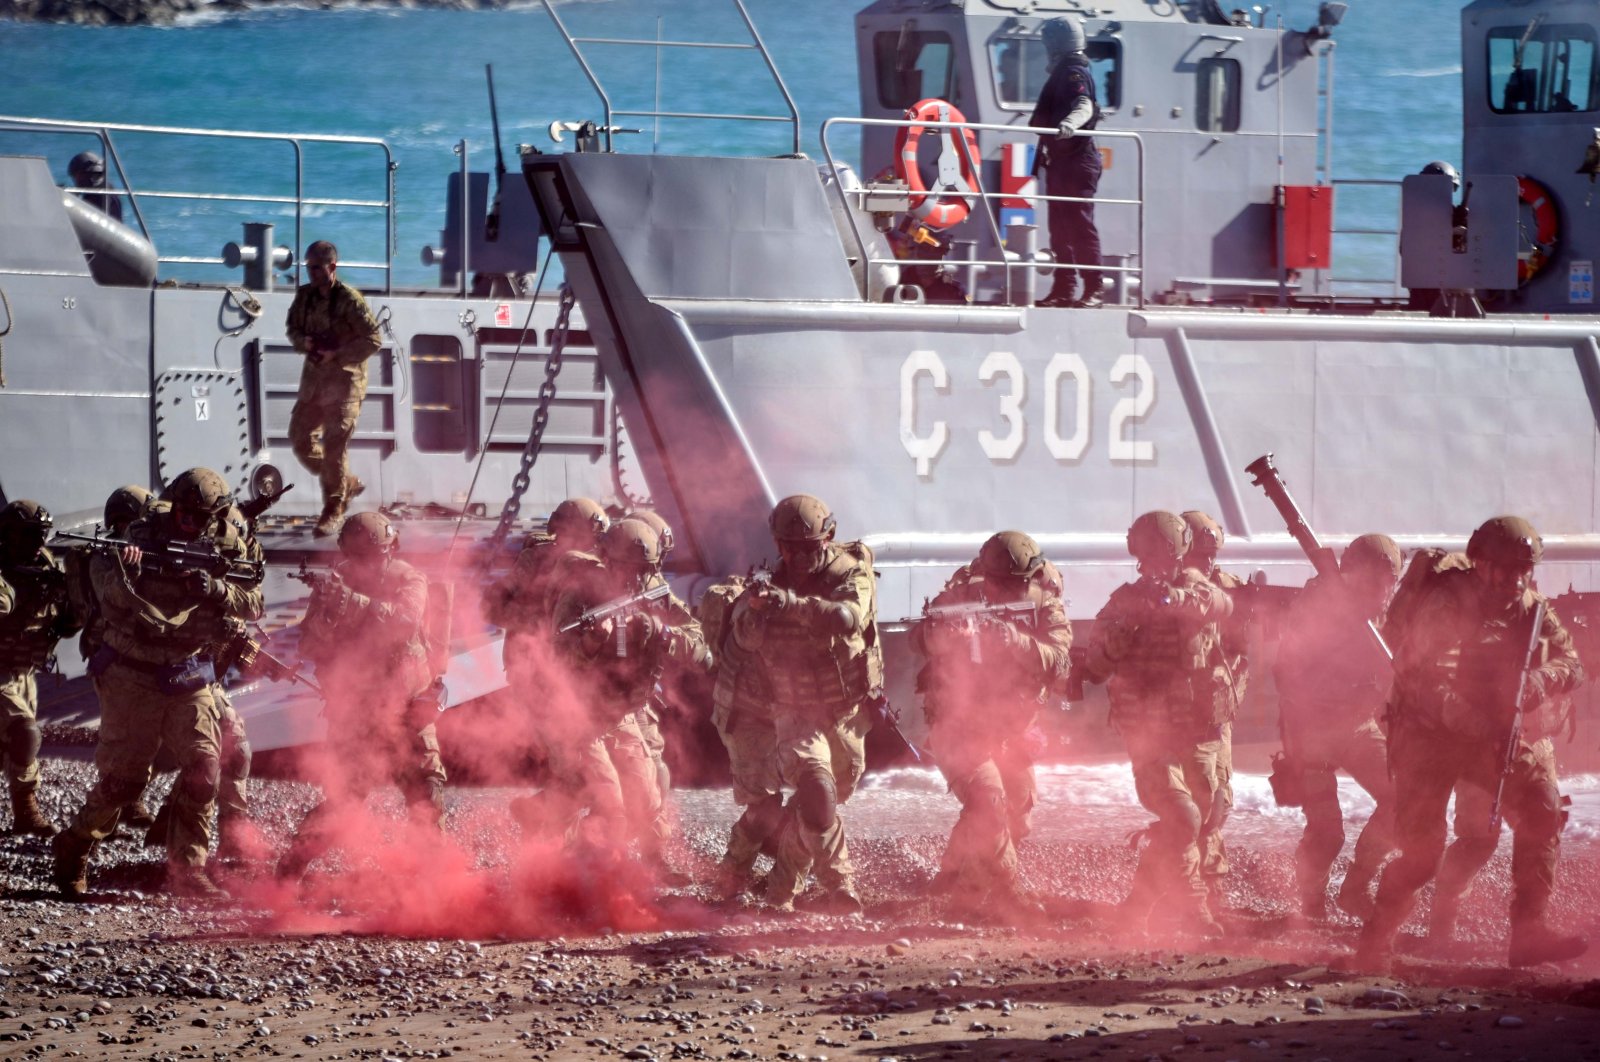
[(176, 558), (241, 651), (886, 715), (1266, 476), (1514, 738), (617, 608), (971, 617)]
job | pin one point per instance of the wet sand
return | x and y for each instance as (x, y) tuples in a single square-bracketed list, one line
[(135, 975)]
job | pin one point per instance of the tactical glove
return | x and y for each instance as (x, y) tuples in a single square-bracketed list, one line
[(204, 586), (1067, 130)]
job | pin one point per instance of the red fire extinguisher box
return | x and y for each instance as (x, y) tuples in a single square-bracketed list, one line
[(1307, 226)]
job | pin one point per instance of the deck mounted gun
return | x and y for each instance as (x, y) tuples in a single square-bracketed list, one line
[(971, 618), (176, 558), (1266, 476), (1514, 737)]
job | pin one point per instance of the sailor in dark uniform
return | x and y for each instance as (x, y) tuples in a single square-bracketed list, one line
[(1070, 162), (88, 170)]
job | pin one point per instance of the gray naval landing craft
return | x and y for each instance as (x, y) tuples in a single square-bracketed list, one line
[(772, 325)]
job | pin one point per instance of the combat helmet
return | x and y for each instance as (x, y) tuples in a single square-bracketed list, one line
[(87, 170), (1441, 168), (662, 529), (1204, 531), (1063, 36), (801, 518), (1509, 540), (1010, 554), (1159, 537), (631, 545), (367, 535), (581, 516), (125, 505), (200, 490), (1373, 552), (24, 527)]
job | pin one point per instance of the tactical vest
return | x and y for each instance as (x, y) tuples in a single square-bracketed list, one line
[(1013, 693), (1169, 678), (29, 632), (829, 673)]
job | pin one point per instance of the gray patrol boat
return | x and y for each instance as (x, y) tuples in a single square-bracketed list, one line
[(771, 325)]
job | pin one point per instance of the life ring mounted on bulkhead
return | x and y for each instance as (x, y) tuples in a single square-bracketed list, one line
[(946, 203), (1547, 228)]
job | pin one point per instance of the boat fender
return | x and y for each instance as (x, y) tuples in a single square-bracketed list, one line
[(945, 204), (1547, 228)]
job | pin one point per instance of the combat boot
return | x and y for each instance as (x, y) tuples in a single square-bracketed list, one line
[(1442, 919), (71, 871), (839, 900), (1535, 942), (193, 883), (353, 487), (1355, 898), (331, 520), (138, 816), (26, 818)]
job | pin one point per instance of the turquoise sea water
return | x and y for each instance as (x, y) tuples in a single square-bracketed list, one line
[(416, 79)]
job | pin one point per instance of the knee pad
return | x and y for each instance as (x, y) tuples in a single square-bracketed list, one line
[(765, 816), (123, 788), (1181, 820), (816, 800), (197, 781), (23, 741), (236, 755)]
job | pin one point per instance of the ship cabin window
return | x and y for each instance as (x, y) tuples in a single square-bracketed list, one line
[(913, 65), (1540, 69), (1216, 107), (1021, 68)]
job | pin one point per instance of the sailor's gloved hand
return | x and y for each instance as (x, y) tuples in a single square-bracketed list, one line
[(1066, 131), (205, 587)]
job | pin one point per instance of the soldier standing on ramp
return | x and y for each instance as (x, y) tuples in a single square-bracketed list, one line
[(1155, 642), (987, 676), (34, 615), (1475, 692), (814, 630), (330, 324)]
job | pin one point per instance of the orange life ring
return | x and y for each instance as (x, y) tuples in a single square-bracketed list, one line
[(945, 204), (1547, 228)]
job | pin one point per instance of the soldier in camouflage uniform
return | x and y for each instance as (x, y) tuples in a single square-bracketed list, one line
[(1155, 641), (741, 710), (35, 613), (655, 742), (1333, 681), (1459, 656), (366, 631), (330, 324), (123, 506), (983, 685), (814, 630), (521, 604), (614, 665), (156, 678), (237, 837), (1232, 652)]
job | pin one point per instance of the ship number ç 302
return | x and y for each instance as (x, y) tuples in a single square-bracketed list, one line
[(1065, 436)]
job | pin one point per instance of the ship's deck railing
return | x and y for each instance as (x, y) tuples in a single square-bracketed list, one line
[(1390, 236), (299, 200), (981, 195), (756, 45)]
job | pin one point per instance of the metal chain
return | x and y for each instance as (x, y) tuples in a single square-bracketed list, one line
[(541, 418)]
